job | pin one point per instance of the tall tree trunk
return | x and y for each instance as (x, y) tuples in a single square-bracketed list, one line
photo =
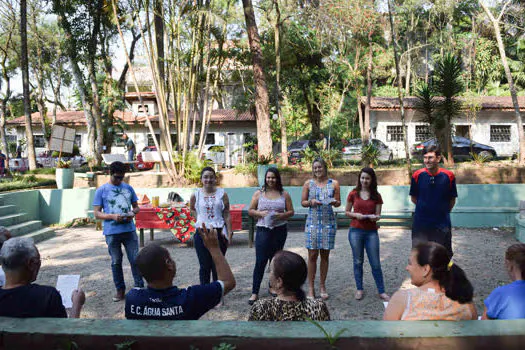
[(277, 38), (366, 121), (25, 85), (38, 70), (501, 48), (92, 56), (262, 102), (399, 92), (158, 22), (410, 35)]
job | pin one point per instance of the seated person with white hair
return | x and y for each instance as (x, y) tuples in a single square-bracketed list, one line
[(22, 298), (4, 236), (161, 300)]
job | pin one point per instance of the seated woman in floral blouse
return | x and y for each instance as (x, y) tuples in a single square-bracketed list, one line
[(287, 275)]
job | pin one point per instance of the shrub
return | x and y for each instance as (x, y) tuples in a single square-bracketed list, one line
[(193, 166), (246, 169), (23, 182)]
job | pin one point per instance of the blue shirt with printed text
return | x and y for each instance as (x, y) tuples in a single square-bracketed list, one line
[(172, 303), (116, 200)]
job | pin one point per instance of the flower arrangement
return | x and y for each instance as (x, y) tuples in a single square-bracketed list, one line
[(63, 164)]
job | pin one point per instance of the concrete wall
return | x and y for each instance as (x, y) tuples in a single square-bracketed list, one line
[(520, 228), (477, 205), (380, 119), (381, 335), (60, 206), (26, 200)]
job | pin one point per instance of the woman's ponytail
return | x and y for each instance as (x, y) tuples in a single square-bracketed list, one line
[(457, 286), (450, 276)]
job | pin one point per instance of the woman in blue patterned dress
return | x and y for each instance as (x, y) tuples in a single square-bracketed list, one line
[(320, 194)]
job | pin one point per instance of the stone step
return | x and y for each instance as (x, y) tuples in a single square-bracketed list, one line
[(8, 209), (13, 219), (25, 227), (41, 235)]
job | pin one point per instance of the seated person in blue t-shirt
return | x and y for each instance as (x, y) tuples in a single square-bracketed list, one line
[(508, 302), (20, 297), (161, 300)]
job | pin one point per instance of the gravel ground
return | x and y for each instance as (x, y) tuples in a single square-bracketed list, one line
[(83, 251)]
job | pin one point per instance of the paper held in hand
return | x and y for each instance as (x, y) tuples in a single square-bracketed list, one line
[(327, 201), (66, 284), (269, 219)]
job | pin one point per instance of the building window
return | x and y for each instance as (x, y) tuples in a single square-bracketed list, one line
[(78, 140), (150, 139), (39, 141), (144, 109), (500, 133), (423, 133), (463, 131), (394, 133), (210, 139)]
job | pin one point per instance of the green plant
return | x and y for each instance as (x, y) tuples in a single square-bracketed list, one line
[(246, 169), (263, 160), (63, 164), (370, 154), (480, 158), (125, 345), (42, 171), (19, 182), (329, 156), (225, 346), (332, 339), (193, 166)]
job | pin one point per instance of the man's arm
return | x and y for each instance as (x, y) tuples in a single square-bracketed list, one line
[(224, 272), (452, 203), (104, 216), (413, 199)]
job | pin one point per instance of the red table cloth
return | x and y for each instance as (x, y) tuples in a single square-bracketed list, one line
[(179, 220)]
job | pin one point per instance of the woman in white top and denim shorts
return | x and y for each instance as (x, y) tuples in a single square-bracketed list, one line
[(211, 207)]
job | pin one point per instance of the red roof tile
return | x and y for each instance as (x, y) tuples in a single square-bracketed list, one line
[(77, 117), (487, 102)]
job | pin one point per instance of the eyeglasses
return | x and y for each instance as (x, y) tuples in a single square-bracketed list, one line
[(432, 182), (118, 177)]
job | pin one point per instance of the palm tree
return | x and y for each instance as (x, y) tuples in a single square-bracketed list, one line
[(448, 84)]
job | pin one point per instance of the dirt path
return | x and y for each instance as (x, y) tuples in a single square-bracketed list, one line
[(83, 251)]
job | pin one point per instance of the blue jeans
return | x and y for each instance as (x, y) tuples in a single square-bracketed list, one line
[(359, 241), (131, 157), (207, 266), (131, 244), (267, 243)]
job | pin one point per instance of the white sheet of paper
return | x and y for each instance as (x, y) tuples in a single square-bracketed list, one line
[(66, 284), (385, 303)]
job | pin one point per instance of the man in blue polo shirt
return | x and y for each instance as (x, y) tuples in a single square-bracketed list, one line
[(433, 191), (161, 300), (119, 202)]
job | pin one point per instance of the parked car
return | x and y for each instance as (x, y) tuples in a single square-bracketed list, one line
[(352, 151), (141, 165), (296, 149), (460, 148), (214, 153)]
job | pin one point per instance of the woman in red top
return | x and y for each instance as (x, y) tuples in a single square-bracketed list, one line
[(366, 203)]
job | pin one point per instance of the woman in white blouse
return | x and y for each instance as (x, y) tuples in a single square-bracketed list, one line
[(210, 206)]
